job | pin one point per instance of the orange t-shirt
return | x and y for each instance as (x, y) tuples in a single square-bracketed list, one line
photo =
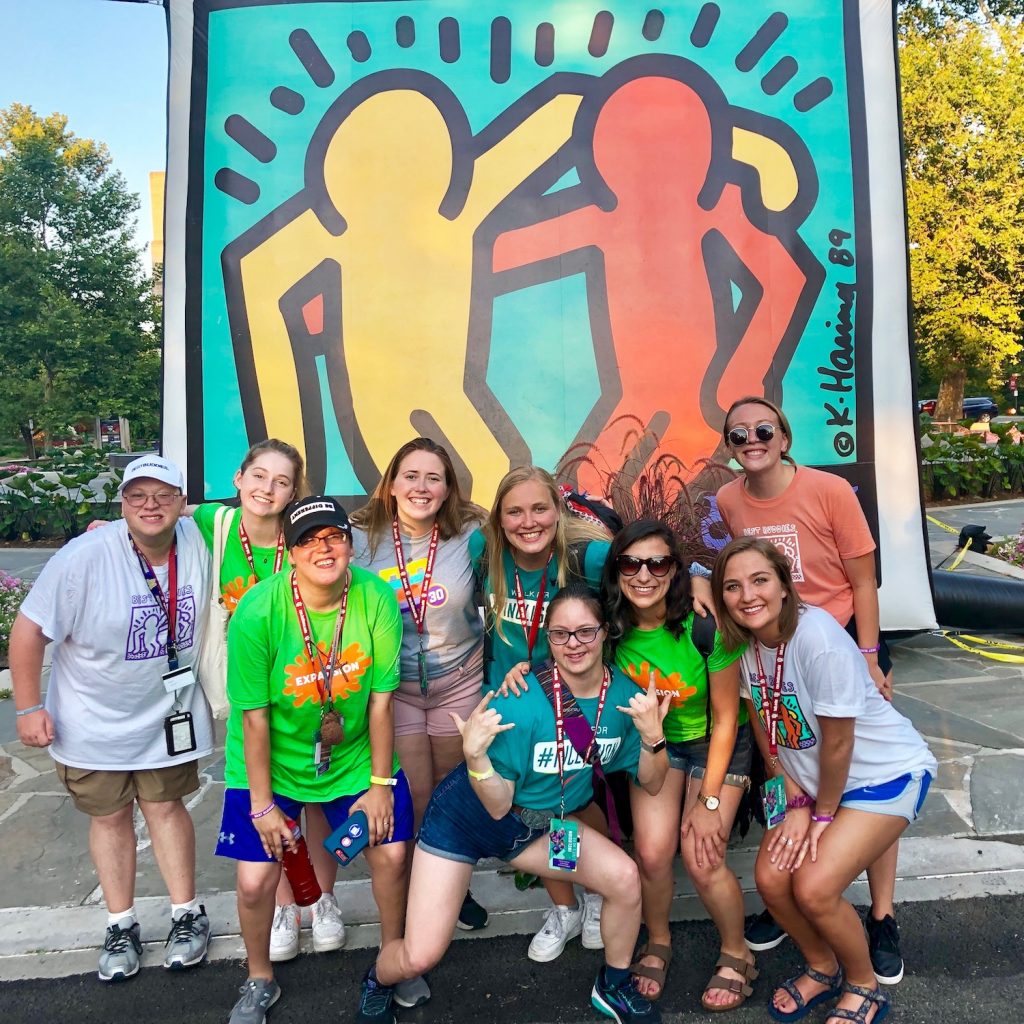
[(817, 521)]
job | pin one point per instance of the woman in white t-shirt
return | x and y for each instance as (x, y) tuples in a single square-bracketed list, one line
[(854, 770)]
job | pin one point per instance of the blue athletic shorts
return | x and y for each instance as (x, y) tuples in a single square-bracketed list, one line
[(239, 839), (458, 827), (901, 797)]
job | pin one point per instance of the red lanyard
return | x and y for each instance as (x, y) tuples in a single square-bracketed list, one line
[(168, 605), (772, 711), (556, 687), (315, 657), (418, 610), (531, 629), (247, 550)]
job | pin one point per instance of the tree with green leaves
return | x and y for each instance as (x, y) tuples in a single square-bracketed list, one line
[(77, 335), (963, 123)]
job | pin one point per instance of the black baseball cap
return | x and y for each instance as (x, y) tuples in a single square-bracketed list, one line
[(312, 513)]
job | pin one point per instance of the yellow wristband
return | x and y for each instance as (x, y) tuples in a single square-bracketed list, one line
[(376, 780), (480, 776)]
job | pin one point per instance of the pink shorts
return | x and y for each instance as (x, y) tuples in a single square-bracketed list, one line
[(458, 691)]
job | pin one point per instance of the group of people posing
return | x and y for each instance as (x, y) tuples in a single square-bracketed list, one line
[(463, 678)]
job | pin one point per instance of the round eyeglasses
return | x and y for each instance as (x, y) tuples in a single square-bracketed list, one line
[(739, 436)]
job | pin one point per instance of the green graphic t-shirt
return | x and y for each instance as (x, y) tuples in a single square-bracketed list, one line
[(268, 667), (526, 754), (236, 575), (677, 668), (513, 649)]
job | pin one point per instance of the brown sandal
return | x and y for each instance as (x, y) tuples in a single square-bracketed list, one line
[(733, 985), (655, 974)]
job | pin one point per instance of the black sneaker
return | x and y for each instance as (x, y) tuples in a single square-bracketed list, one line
[(763, 933), (622, 1002), (375, 1001), (884, 944), (472, 917)]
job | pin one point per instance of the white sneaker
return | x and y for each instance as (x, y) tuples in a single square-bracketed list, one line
[(328, 927), (592, 904), (284, 934), (561, 925)]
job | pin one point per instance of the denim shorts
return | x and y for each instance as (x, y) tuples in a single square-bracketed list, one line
[(457, 826), (900, 797), (691, 757), (239, 839)]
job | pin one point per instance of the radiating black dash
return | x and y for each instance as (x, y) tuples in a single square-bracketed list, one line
[(359, 47), (654, 22), (405, 31), (811, 95), (544, 48), (773, 27), (236, 185), (287, 100), (312, 59), (601, 33), (448, 39), (704, 26), (501, 50), (250, 138), (779, 75)]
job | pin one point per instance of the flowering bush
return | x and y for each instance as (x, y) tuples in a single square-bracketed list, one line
[(12, 593), (1011, 549)]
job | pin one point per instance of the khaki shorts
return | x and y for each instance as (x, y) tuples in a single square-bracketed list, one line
[(98, 793), (458, 691)]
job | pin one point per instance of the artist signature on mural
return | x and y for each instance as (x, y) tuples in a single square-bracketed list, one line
[(838, 376)]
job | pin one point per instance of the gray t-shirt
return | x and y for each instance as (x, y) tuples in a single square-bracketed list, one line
[(453, 628)]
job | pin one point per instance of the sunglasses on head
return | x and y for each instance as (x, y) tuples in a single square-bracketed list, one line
[(630, 565), (740, 436)]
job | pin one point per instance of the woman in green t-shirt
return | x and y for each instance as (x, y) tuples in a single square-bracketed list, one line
[(647, 593)]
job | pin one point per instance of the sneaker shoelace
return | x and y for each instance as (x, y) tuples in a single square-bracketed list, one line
[(284, 918), (252, 994), (375, 998), (182, 929), (631, 997), (328, 910), (118, 938), (557, 920)]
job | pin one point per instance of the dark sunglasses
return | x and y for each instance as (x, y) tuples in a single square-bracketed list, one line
[(740, 436), (630, 565)]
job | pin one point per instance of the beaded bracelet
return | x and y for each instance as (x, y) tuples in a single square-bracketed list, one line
[(262, 814), (29, 711), (870, 650), (803, 800), (824, 818)]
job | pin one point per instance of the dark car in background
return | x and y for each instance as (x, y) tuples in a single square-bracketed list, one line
[(973, 409)]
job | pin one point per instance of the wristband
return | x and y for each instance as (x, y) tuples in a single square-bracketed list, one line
[(262, 814), (480, 776), (824, 818), (870, 650), (803, 800), (29, 711), (376, 780)]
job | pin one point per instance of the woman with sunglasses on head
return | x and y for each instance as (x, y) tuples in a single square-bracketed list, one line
[(847, 774), (414, 534), (313, 662), (530, 547), (816, 519), (646, 591), (529, 766)]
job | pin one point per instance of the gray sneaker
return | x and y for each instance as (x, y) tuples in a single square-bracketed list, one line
[(413, 992), (119, 958), (258, 996), (187, 940)]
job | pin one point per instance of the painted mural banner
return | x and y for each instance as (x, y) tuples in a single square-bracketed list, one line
[(519, 227)]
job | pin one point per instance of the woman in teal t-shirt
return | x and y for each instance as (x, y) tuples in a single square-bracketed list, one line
[(647, 592)]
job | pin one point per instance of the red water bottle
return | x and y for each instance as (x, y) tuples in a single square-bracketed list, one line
[(299, 868)]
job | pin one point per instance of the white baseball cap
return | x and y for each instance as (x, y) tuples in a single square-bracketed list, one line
[(153, 467)]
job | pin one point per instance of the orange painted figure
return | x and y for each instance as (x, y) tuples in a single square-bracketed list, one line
[(652, 144)]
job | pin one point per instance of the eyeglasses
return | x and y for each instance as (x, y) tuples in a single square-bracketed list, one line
[(740, 436), (583, 635), (629, 565), (139, 499), (332, 540)]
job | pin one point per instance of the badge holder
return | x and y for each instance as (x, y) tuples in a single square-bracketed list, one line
[(563, 845), (179, 730), (321, 754), (773, 799)]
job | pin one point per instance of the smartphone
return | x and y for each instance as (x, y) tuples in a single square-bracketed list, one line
[(349, 839)]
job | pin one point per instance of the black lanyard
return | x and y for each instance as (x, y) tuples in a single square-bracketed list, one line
[(168, 605), (772, 709), (315, 657)]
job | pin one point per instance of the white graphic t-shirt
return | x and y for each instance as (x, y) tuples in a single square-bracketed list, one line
[(106, 692)]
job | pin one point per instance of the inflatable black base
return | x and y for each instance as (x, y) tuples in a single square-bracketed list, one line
[(983, 604)]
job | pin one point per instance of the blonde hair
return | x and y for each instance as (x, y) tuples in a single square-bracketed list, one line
[(787, 430)]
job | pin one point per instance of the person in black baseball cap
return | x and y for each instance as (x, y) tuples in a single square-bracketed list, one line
[(314, 512)]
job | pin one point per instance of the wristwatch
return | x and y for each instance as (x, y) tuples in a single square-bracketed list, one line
[(710, 802), (654, 748)]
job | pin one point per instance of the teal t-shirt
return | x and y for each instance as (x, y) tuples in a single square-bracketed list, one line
[(526, 754), (513, 648), (268, 667), (677, 668), (236, 575)]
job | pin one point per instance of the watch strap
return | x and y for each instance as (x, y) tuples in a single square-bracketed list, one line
[(654, 748)]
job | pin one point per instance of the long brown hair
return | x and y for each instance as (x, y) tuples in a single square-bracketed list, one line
[(291, 453), (787, 430), (569, 529), (454, 515), (733, 634)]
